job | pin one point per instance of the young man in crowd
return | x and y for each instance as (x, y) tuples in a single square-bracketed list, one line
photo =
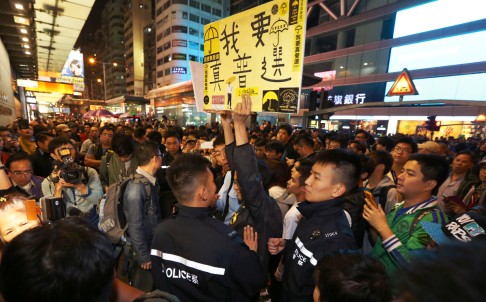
[(26, 139), (41, 158), (97, 151), (325, 227), (284, 133), (141, 208), (119, 162), (404, 147), (383, 189), (83, 195), (400, 232), (195, 256)]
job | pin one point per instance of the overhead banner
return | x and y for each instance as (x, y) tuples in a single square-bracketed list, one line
[(259, 52)]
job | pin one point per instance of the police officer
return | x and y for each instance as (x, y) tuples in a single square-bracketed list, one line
[(195, 256)]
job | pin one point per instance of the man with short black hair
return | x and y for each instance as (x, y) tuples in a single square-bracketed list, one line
[(305, 146), (274, 149), (141, 208), (119, 162), (173, 150), (41, 158), (195, 256), (379, 184), (83, 195), (26, 139), (97, 151), (325, 227), (400, 232), (404, 147), (284, 133), (19, 167)]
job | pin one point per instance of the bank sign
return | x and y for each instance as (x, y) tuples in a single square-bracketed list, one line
[(257, 52), (357, 94)]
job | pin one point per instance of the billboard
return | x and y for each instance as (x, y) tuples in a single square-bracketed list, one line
[(73, 71), (258, 52)]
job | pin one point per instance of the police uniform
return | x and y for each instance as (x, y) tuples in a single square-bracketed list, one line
[(323, 230), (198, 258)]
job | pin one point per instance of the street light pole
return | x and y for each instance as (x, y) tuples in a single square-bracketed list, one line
[(104, 80)]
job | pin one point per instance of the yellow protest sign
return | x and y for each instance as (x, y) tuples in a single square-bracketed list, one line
[(258, 52)]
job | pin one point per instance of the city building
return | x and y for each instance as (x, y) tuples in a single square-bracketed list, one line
[(360, 47), (179, 31), (113, 50)]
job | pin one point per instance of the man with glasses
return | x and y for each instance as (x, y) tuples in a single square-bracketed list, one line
[(20, 172), (96, 152), (141, 208), (404, 147)]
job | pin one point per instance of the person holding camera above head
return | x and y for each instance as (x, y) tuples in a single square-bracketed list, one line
[(78, 186)]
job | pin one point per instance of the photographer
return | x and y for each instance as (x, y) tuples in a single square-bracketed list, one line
[(79, 187)]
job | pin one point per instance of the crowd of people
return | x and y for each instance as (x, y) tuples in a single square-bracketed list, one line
[(223, 213)]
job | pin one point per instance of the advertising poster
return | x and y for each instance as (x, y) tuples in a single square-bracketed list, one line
[(258, 52), (73, 71)]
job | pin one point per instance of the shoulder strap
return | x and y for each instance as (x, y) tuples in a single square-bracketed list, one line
[(226, 206), (146, 183), (417, 219)]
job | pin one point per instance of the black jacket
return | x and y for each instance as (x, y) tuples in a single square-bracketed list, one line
[(258, 209), (323, 230), (42, 163), (198, 258)]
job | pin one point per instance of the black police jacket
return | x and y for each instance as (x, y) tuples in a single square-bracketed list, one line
[(198, 258), (323, 230)]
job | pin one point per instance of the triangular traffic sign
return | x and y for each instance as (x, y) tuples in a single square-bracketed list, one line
[(403, 85)]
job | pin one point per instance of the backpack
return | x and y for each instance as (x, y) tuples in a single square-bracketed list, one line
[(112, 216), (383, 195)]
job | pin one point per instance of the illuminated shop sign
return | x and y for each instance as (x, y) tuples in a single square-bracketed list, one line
[(357, 94), (179, 70)]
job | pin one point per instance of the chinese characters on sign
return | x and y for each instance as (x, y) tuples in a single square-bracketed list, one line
[(179, 70), (357, 94), (257, 52)]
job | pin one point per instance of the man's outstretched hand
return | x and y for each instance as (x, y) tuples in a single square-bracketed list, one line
[(242, 110)]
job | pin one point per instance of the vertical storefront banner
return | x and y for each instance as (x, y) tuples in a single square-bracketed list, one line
[(257, 52)]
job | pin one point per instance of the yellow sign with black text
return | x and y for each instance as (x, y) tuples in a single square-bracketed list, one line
[(258, 52)]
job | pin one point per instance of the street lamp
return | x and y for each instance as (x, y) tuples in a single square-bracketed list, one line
[(114, 64)]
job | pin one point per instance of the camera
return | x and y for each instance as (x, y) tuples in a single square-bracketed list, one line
[(70, 171), (52, 208)]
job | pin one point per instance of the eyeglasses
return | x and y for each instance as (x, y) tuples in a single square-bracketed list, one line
[(107, 135), (404, 150), (25, 173)]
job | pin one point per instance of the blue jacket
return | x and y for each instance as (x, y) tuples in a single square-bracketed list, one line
[(322, 231), (142, 214)]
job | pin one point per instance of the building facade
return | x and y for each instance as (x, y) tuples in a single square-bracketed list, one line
[(360, 49), (112, 29)]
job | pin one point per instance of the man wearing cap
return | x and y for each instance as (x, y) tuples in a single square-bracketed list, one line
[(429, 147), (26, 139), (74, 132)]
